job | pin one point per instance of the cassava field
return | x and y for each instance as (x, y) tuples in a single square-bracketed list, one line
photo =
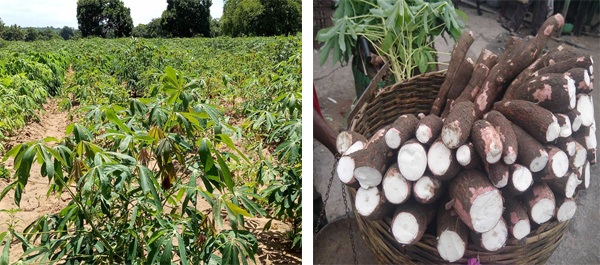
[(151, 151)]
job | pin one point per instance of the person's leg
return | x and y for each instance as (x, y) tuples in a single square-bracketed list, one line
[(540, 17), (518, 16)]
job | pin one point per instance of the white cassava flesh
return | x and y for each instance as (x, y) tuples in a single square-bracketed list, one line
[(586, 78), (542, 211), (522, 178), (451, 134), (539, 163), (423, 133), (393, 138), (450, 246), (345, 169), (355, 147), (405, 228), (439, 158), (367, 200), (586, 175), (412, 161), (396, 188), (580, 155), (510, 158), (572, 184), (586, 108), (553, 130), (521, 229), (496, 238), (367, 177), (566, 211), (572, 89), (486, 211), (576, 123), (565, 129), (559, 164), (463, 155), (425, 186)]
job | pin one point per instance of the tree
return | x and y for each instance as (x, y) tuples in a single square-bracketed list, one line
[(48, 34), (187, 18), (67, 32), (104, 18), (31, 34), (261, 17), (215, 27), (13, 33)]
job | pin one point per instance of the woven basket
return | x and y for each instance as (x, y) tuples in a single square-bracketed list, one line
[(413, 96)]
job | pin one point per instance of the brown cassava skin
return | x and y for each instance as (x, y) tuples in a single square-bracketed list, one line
[(391, 171), (563, 142), (376, 153), (578, 75), (510, 147), (484, 137), (574, 114), (487, 58), (549, 91), (477, 238), (561, 53), (524, 53), (472, 89), (475, 159), (592, 156), (529, 148), (559, 186), (456, 58), (424, 213), (463, 75), (353, 137), (464, 189), (539, 191), (448, 220), (448, 106), (562, 121), (513, 213), (497, 173), (434, 123), (510, 188), (528, 115), (459, 120), (509, 47), (383, 209), (581, 135), (405, 125), (564, 66), (547, 174), (437, 190), (453, 168)]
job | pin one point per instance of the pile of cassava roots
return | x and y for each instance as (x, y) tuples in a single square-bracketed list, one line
[(507, 146)]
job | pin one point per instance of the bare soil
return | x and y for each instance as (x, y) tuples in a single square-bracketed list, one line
[(274, 247)]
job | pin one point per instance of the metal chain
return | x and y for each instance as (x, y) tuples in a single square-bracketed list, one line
[(327, 194), (349, 223)]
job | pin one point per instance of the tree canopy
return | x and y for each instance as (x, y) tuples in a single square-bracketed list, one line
[(261, 17), (67, 32), (13, 33), (105, 18), (187, 18)]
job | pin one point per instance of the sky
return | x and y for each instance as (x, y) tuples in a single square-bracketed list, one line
[(59, 13)]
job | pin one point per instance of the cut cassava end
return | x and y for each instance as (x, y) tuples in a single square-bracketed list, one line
[(554, 92), (565, 186), (345, 171), (497, 173), (580, 156), (441, 161), (494, 239), (575, 118), (565, 125), (410, 221), (537, 121), (456, 58), (585, 106), (427, 190), (531, 153), (429, 129), (371, 204), (457, 126), (395, 187), (478, 203), (540, 203), (412, 160), (346, 139), (355, 147), (370, 163), (520, 179), (452, 235), (516, 218), (401, 130), (565, 208), (567, 144), (558, 164), (584, 177), (502, 125), (467, 156), (486, 141)]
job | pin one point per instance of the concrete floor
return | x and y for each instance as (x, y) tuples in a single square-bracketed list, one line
[(335, 89)]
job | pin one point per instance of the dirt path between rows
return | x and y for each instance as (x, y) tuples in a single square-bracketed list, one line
[(273, 246)]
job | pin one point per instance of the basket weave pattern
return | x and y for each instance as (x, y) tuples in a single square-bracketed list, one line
[(413, 96)]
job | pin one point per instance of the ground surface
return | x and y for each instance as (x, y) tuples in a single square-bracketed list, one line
[(274, 247), (335, 89)]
